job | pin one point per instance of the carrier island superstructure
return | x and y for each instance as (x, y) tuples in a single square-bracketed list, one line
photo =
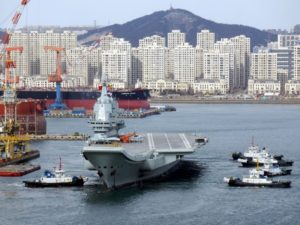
[(127, 159)]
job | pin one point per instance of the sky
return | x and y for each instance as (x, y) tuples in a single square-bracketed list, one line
[(262, 14)]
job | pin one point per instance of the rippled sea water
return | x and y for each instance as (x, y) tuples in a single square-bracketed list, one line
[(184, 198)]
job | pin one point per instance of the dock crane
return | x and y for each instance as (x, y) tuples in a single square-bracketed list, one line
[(15, 19), (13, 145), (10, 64), (9, 93), (57, 105)]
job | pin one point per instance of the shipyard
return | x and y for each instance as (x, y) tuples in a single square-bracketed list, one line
[(182, 114)]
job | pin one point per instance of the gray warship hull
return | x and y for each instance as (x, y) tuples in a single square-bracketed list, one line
[(132, 163)]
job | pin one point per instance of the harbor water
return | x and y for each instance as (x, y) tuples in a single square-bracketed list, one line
[(185, 198)]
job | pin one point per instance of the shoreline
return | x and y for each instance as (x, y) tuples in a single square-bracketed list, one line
[(189, 100)]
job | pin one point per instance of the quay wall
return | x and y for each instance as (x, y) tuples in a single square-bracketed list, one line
[(190, 100)]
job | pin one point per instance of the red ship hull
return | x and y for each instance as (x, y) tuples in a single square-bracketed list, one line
[(30, 116)]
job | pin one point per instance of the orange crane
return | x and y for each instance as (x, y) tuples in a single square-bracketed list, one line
[(57, 76), (57, 105), (10, 64), (15, 19)]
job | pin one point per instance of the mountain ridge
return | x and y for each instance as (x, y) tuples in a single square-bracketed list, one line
[(163, 22)]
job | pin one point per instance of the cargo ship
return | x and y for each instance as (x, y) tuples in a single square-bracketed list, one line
[(127, 99)]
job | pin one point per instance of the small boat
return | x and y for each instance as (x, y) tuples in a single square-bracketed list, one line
[(56, 179), (255, 179), (253, 152), (261, 160), (271, 170)]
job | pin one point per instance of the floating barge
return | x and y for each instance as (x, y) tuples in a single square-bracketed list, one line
[(17, 170), (33, 154)]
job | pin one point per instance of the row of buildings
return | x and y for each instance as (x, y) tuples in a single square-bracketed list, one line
[(210, 67)]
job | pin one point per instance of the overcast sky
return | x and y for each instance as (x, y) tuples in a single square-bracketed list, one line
[(262, 14)]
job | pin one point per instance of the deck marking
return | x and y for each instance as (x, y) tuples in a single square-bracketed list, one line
[(185, 141), (168, 141), (150, 141)]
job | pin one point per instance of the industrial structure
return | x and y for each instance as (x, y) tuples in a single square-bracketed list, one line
[(57, 105), (13, 142)]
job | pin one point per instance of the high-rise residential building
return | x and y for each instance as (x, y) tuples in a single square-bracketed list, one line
[(217, 67), (136, 65), (20, 39), (264, 66), (34, 60), (48, 58), (242, 60), (175, 38), (33, 53), (106, 40), (115, 65), (153, 59), (94, 59), (160, 41), (123, 46), (288, 40), (227, 46), (206, 40), (184, 63), (284, 59), (296, 70), (84, 62), (199, 53), (169, 63), (282, 77), (66, 40), (77, 65)]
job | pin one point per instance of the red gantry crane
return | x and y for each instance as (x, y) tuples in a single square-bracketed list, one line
[(57, 105), (10, 65)]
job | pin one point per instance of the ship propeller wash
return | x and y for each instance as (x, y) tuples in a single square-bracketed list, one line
[(128, 159)]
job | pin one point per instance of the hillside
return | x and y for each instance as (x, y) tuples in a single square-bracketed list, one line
[(162, 22)]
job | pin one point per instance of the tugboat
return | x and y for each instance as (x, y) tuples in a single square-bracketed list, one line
[(255, 179), (56, 179), (261, 160), (253, 152), (272, 170)]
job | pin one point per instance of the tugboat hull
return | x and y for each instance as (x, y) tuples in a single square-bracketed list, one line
[(76, 181), (283, 173), (251, 163), (274, 184), (239, 155)]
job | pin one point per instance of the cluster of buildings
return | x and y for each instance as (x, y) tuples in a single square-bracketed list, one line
[(163, 64)]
